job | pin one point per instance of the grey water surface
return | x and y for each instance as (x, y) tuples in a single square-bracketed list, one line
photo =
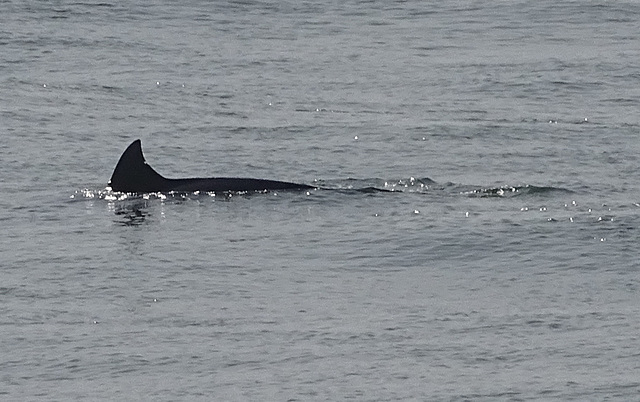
[(503, 265)]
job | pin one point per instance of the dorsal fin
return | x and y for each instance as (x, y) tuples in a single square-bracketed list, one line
[(133, 175)]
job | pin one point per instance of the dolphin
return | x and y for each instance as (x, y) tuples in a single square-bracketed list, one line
[(133, 175)]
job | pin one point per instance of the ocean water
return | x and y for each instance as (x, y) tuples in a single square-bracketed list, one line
[(502, 264)]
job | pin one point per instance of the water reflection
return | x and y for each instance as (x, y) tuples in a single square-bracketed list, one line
[(131, 214)]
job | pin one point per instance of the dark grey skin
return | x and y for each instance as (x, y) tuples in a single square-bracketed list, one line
[(133, 175)]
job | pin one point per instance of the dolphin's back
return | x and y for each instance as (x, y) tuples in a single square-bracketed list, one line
[(231, 184)]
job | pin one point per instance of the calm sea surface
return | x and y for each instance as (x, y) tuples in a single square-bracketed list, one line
[(503, 266)]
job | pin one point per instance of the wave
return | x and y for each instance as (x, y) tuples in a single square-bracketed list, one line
[(423, 185), (372, 185), (515, 191), (427, 185)]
